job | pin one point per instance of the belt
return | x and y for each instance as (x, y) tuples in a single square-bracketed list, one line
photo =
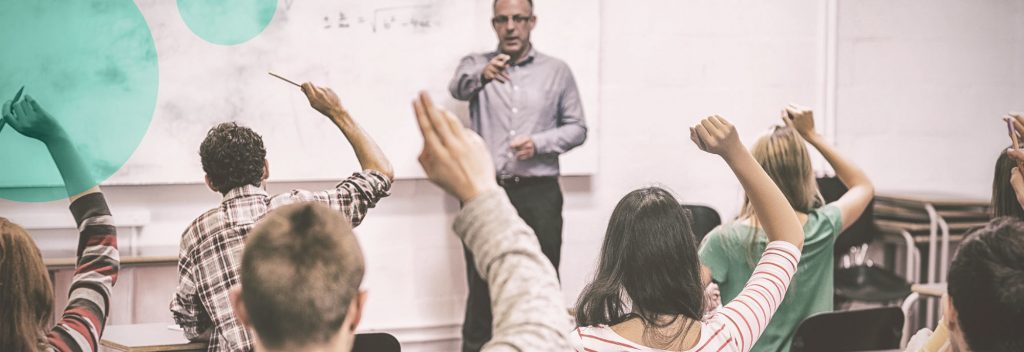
[(512, 180)]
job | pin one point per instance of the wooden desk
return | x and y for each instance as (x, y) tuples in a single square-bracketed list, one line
[(146, 337), (65, 258), (938, 199), (929, 290)]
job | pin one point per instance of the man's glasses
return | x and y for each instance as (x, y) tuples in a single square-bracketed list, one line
[(517, 19)]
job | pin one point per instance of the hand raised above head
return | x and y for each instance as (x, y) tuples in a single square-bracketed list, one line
[(323, 100), (800, 118), (716, 135), (454, 158), (30, 119)]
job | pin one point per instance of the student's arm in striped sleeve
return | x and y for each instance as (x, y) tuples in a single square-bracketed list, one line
[(746, 316), (85, 316)]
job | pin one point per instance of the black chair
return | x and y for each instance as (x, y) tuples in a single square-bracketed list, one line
[(862, 282), (853, 330), (705, 219), (376, 342)]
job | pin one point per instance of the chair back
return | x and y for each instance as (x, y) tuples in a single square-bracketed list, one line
[(376, 342), (853, 330), (705, 219)]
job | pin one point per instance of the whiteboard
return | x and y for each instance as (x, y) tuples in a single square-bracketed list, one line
[(374, 54)]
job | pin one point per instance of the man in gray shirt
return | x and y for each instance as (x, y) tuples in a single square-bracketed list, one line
[(526, 107)]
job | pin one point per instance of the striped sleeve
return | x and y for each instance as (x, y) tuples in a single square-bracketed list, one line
[(82, 324), (745, 317)]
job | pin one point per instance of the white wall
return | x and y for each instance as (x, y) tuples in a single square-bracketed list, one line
[(915, 78), (922, 85)]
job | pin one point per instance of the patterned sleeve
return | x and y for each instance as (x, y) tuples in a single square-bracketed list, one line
[(84, 318), (745, 317), (353, 197), (186, 307)]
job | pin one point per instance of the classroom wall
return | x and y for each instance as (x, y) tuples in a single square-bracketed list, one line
[(921, 86), (914, 81)]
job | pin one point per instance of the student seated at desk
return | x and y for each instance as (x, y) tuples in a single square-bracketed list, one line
[(984, 310), (235, 163), (730, 250), (302, 266), (26, 296), (648, 294)]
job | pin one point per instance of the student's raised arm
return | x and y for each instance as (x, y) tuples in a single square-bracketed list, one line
[(743, 320), (369, 154), (528, 307), (98, 262), (852, 204), (717, 136), (31, 120)]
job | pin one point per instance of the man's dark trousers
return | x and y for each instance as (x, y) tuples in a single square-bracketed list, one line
[(539, 202)]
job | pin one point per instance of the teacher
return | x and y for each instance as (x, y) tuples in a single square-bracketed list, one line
[(526, 107)]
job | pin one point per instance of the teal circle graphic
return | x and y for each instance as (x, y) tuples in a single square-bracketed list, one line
[(227, 22), (93, 66)]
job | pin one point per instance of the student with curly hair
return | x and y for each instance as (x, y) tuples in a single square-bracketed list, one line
[(235, 163)]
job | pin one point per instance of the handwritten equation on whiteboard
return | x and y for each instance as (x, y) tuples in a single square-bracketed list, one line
[(413, 17)]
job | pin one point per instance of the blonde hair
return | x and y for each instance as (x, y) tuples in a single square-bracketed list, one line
[(26, 296), (783, 154)]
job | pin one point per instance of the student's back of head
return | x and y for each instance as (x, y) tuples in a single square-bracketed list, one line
[(783, 154), (650, 254), (300, 278), (986, 289), (26, 297), (1004, 199), (233, 156)]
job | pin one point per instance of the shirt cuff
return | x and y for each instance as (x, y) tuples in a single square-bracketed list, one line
[(89, 206)]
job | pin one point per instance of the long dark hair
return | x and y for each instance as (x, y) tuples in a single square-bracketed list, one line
[(649, 267), (1004, 199), (26, 297)]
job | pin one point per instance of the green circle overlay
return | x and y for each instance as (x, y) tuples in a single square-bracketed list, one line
[(227, 22), (90, 64)]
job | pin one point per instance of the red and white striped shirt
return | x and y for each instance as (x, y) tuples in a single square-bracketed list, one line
[(733, 328)]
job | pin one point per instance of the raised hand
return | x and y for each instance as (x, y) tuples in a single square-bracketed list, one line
[(31, 120), (453, 158), (800, 119), (495, 69), (324, 100), (715, 135)]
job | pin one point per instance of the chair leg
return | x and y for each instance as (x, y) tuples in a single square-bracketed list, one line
[(907, 305)]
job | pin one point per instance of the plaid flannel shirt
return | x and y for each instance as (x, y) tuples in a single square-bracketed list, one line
[(211, 252)]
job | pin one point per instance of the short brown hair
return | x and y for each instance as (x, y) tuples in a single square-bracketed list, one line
[(301, 268), (26, 297)]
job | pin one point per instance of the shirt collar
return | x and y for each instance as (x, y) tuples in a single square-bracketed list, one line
[(243, 192), (530, 55)]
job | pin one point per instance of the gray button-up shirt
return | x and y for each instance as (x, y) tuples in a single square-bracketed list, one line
[(540, 101)]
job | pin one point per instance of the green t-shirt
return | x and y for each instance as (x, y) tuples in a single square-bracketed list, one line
[(726, 252)]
